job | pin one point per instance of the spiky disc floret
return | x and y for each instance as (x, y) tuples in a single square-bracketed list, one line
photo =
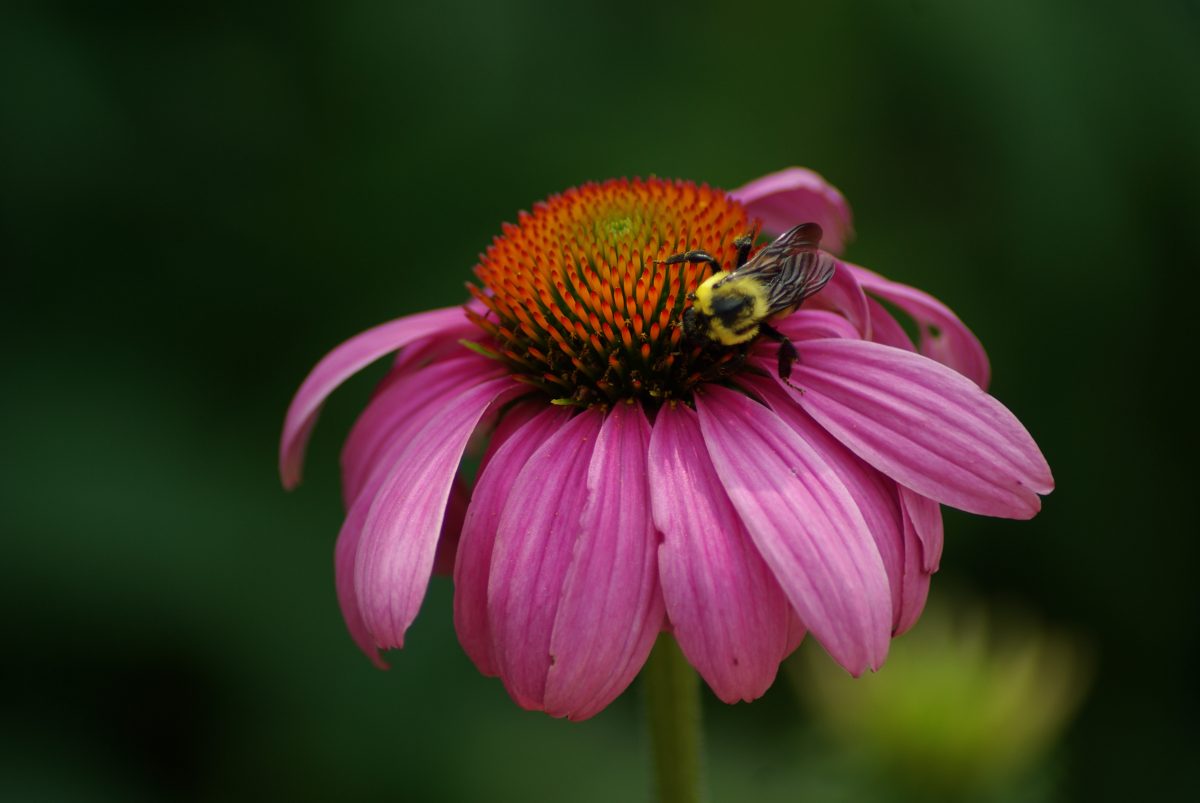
[(580, 304)]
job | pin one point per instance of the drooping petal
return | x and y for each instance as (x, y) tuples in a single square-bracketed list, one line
[(399, 538), (366, 489), (452, 524), (915, 588), (944, 337), (806, 524), (924, 425), (926, 517), (442, 345), (843, 294), (494, 486), (796, 632), (886, 329), (513, 420), (876, 495), (344, 555), (535, 540), (340, 364), (730, 617), (390, 414), (798, 195), (611, 609)]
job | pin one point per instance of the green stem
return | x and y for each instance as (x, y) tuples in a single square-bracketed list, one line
[(673, 707)]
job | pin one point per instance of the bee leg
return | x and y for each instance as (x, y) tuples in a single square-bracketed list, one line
[(743, 245), (692, 256), (788, 355)]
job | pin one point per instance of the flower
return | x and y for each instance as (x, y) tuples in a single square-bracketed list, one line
[(971, 702), (635, 482)]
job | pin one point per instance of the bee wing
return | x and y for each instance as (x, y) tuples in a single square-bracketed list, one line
[(800, 276), (805, 237), (793, 266), (771, 259)]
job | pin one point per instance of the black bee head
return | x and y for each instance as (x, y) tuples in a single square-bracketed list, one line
[(695, 325)]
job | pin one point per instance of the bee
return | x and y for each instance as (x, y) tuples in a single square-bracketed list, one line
[(734, 308)]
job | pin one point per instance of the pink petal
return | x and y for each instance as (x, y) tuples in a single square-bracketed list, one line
[(916, 581), (390, 414), (844, 295), (418, 416), (924, 425), (344, 555), (729, 615), (444, 345), (452, 524), (886, 329), (611, 608), (535, 541), (810, 324), (502, 464), (798, 195), (796, 632), (511, 422), (806, 324), (399, 538), (340, 364), (944, 337), (876, 495), (806, 524), (926, 518)]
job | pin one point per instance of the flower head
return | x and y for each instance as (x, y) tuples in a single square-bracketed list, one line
[(582, 305), (636, 481)]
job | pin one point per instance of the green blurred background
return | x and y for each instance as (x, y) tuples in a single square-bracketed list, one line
[(197, 200)]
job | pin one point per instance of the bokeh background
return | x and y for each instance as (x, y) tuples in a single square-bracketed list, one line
[(197, 200)]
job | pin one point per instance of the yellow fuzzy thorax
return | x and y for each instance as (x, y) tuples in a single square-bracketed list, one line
[(742, 326)]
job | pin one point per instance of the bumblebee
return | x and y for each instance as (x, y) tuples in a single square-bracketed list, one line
[(734, 308)]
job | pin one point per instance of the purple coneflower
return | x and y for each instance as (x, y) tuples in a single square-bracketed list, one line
[(634, 482)]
